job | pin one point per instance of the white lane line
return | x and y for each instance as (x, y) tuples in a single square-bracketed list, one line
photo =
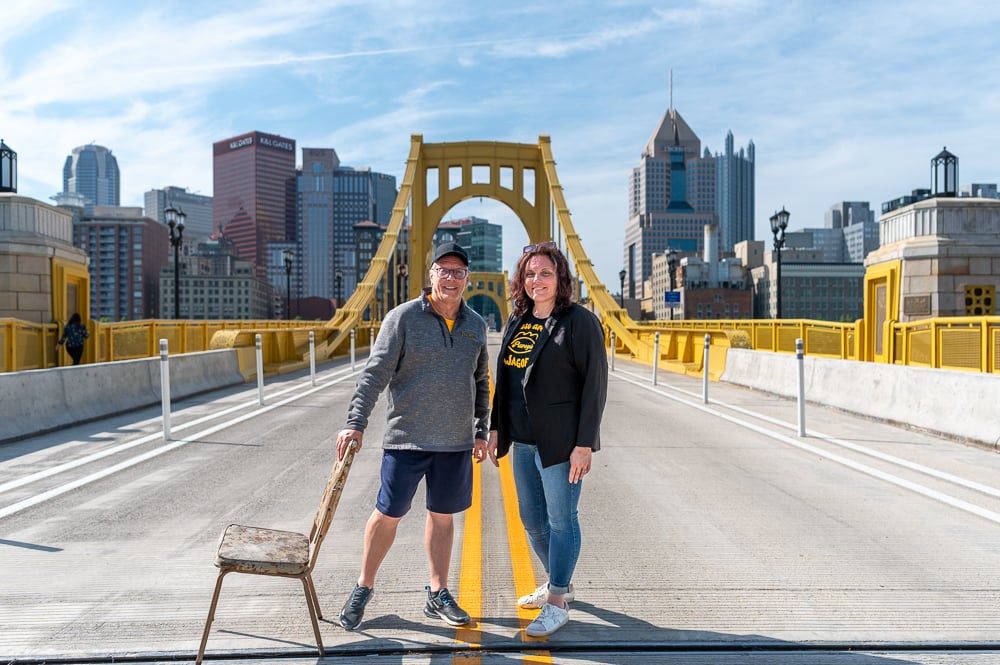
[(870, 452), (93, 457), (875, 473), (97, 475)]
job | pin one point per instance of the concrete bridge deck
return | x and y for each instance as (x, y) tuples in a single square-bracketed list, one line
[(712, 534)]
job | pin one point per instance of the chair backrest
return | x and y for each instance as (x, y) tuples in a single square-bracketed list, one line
[(328, 503)]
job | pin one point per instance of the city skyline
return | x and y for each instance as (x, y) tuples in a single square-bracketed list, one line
[(845, 103)]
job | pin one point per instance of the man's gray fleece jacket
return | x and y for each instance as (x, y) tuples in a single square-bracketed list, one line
[(438, 380)]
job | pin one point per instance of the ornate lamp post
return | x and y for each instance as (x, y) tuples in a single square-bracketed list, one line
[(671, 266), (175, 221), (339, 276), (287, 256), (779, 222), (402, 271), (621, 296)]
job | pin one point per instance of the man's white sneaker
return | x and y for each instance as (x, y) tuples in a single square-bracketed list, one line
[(537, 598), (549, 621)]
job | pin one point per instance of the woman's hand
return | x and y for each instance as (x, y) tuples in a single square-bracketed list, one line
[(579, 463), (491, 448)]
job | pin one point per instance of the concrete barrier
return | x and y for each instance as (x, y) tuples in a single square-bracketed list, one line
[(952, 403), (37, 401)]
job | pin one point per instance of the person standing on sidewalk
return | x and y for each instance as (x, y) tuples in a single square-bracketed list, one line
[(431, 355), (551, 386), (74, 335)]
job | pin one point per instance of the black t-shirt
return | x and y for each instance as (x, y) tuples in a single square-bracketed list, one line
[(514, 361)]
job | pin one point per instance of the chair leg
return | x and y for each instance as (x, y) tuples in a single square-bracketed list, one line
[(211, 617), (306, 584), (312, 588)]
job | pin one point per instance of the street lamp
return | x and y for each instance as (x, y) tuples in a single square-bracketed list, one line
[(671, 266), (287, 255), (339, 276), (402, 271), (621, 295), (779, 222), (175, 221)]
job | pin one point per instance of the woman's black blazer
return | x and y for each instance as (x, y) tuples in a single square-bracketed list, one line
[(565, 386)]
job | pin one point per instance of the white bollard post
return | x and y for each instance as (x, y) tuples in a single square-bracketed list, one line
[(800, 361), (371, 339), (260, 371), (612, 350), (165, 388), (656, 355), (704, 363), (312, 357), (352, 350)]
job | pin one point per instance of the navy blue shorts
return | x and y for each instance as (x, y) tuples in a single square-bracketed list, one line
[(449, 481)]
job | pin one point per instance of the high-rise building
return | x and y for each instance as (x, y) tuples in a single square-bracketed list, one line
[(678, 190), (92, 171), (254, 193), (672, 197), (214, 284), (333, 200), (360, 194), (483, 242), (127, 251), (736, 198), (860, 230), (317, 235), (197, 209)]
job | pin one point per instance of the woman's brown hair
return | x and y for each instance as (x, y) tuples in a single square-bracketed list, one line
[(564, 280)]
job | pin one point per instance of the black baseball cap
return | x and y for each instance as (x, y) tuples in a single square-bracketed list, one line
[(451, 249)]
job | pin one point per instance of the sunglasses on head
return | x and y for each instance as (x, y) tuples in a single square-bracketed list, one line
[(542, 245)]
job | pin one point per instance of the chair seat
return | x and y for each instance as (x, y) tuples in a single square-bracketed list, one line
[(256, 550)]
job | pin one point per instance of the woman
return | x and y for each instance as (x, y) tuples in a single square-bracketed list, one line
[(73, 335), (551, 385)]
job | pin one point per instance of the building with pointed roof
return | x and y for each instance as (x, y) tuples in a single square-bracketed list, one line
[(677, 191)]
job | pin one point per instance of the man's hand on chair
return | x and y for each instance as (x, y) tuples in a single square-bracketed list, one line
[(344, 439)]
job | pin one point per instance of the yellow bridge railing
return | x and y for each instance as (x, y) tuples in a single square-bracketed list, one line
[(956, 343), (285, 344)]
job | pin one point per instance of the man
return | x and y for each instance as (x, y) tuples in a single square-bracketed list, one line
[(431, 354)]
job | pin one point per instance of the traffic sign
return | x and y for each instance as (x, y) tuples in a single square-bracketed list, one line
[(671, 297)]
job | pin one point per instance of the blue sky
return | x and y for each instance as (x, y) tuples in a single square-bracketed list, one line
[(843, 100)]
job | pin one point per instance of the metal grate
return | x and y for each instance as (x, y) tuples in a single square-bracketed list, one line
[(960, 348), (920, 348)]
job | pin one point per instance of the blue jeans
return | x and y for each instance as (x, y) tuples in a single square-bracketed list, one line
[(547, 502)]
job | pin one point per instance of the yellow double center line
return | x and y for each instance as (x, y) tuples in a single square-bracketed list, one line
[(470, 586)]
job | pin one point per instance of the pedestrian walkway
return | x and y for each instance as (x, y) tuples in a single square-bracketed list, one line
[(712, 534)]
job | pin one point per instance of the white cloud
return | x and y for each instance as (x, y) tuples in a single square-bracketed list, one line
[(845, 101)]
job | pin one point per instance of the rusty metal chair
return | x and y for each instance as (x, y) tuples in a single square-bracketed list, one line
[(261, 551)]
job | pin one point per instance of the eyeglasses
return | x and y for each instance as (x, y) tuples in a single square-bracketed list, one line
[(455, 273), (541, 245)]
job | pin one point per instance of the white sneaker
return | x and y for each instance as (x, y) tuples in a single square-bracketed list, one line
[(537, 598), (549, 621)]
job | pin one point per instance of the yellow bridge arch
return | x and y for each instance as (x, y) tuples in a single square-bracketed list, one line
[(439, 176)]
